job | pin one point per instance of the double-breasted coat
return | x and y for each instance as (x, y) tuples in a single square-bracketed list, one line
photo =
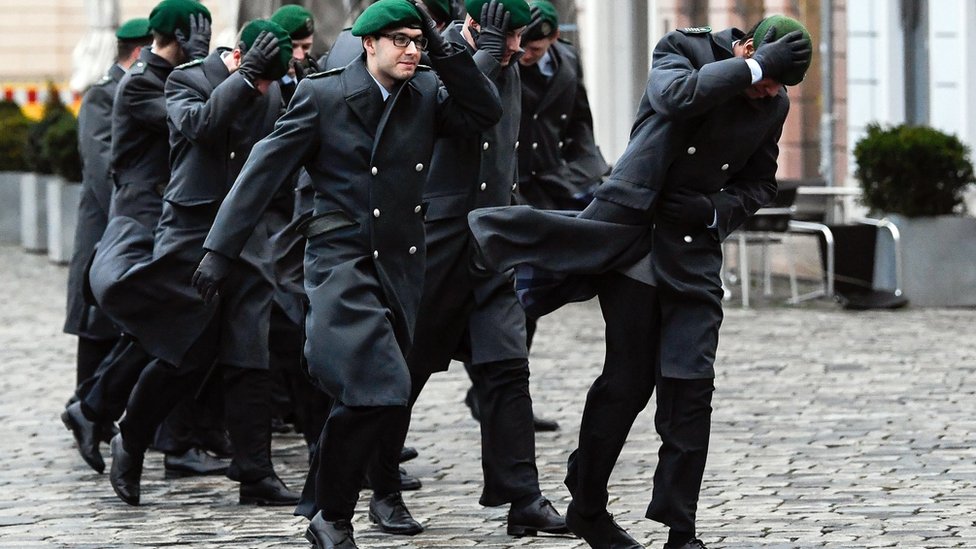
[(559, 161), (695, 129), (140, 140), (367, 161), (466, 314), (95, 147), (215, 117)]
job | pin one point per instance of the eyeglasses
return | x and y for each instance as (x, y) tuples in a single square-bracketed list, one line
[(401, 40)]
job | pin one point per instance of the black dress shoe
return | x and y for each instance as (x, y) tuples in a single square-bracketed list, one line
[(690, 544), (600, 532), (537, 516), (194, 462), (215, 441), (126, 472), (392, 516), (86, 433), (539, 424), (323, 534), (268, 491), (408, 453)]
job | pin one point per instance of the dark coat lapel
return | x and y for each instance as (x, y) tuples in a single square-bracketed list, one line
[(362, 94), (563, 79)]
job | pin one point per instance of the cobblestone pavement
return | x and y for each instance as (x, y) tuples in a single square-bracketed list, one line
[(831, 429)]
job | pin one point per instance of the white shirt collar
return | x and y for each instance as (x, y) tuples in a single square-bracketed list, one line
[(383, 90)]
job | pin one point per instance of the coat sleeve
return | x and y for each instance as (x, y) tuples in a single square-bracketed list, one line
[(752, 187), (204, 120), (679, 89), (146, 105), (272, 160), (95, 143), (467, 101)]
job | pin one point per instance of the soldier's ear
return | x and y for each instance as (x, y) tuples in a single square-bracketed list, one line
[(369, 44)]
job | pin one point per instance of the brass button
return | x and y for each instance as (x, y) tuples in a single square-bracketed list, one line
[(412, 250), (419, 167), (691, 150), (374, 171), (376, 212)]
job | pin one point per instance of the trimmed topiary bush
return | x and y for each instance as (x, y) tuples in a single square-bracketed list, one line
[(34, 152), (912, 170), (60, 147), (13, 137)]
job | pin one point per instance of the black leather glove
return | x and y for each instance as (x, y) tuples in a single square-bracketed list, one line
[(197, 45), (263, 52), (304, 67), (436, 44), (210, 274), (494, 24), (780, 56), (686, 208)]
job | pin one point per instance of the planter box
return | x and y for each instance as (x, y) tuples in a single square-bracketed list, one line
[(10, 207), (33, 212), (63, 198), (938, 260)]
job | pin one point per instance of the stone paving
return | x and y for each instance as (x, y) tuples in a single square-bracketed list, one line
[(831, 429)]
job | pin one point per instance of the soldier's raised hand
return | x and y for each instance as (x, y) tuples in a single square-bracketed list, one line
[(777, 57), (436, 44), (258, 59), (494, 24), (197, 44)]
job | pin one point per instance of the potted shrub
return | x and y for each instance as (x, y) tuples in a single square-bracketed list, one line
[(59, 146), (13, 140), (916, 177), (33, 189)]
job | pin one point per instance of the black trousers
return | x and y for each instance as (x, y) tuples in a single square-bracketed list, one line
[(352, 438), (91, 353), (631, 373), (103, 395), (247, 411)]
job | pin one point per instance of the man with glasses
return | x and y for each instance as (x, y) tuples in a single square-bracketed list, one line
[(473, 317), (364, 134)]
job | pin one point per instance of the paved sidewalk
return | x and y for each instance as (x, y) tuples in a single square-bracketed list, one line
[(831, 429)]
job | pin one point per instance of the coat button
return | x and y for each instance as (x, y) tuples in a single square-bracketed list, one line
[(412, 250), (416, 209), (376, 212), (535, 146), (484, 186), (562, 116), (419, 167), (535, 117), (687, 238), (560, 144), (514, 186), (232, 155), (691, 150), (516, 144), (376, 253), (374, 171), (485, 146), (725, 167)]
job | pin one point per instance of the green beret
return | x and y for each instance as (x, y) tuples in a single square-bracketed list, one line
[(385, 14), (784, 25), (519, 10), (250, 33), (440, 10), (133, 29), (170, 15), (545, 21), (296, 20)]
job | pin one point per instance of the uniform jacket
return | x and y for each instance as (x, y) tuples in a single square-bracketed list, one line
[(464, 315), (694, 129), (95, 147), (367, 161), (140, 147), (214, 120), (558, 158)]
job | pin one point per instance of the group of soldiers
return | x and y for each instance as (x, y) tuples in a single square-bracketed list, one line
[(263, 234)]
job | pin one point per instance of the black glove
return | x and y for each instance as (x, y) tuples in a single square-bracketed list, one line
[(686, 208), (494, 22), (210, 274), (197, 45), (780, 56), (436, 44), (258, 59), (304, 67)]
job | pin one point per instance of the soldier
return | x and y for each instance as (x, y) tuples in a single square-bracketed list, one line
[(464, 315), (701, 159), (96, 333), (300, 25), (217, 108), (364, 134)]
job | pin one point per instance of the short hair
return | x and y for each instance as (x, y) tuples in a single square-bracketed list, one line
[(162, 40), (124, 48)]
